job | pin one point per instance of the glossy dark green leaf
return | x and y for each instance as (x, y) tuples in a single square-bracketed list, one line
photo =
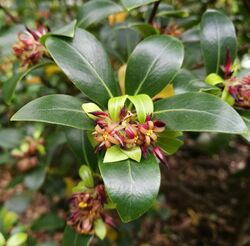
[(71, 238), (185, 81), (144, 29), (65, 31), (198, 112), (85, 62), (132, 186), (10, 85), (217, 35), (94, 11), (153, 64), (132, 4), (79, 143), (120, 41), (55, 109)]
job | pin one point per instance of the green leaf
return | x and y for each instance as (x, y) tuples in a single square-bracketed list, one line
[(214, 79), (71, 238), (132, 186), (134, 154), (17, 239), (55, 109), (185, 81), (90, 107), (245, 115), (86, 176), (80, 145), (95, 11), (153, 64), (10, 138), (2, 240), (8, 219), (100, 229), (18, 203), (197, 112), (114, 154), (48, 222), (115, 105), (132, 4), (169, 142), (65, 31), (144, 29), (80, 187), (144, 106), (226, 96), (217, 35), (35, 179), (85, 62), (173, 13), (9, 86)]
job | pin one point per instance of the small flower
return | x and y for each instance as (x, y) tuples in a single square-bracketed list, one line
[(28, 49), (132, 136), (28, 155), (107, 136), (228, 67), (149, 129), (86, 208), (240, 91)]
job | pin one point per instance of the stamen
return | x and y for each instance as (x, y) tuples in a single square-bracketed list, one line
[(149, 132), (82, 204)]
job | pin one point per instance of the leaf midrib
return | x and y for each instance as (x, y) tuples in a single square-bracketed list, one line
[(91, 67), (150, 69)]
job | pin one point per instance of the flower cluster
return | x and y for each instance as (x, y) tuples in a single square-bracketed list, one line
[(28, 49), (239, 89), (128, 133), (172, 29), (28, 155), (86, 208)]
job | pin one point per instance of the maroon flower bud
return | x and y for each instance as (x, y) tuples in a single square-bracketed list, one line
[(130, 131), (160, 155), (149, 117), (109, 221), (102, 123), (28, 49), (159, 123), (100, 114), (123, 113), (144, 150), (240, 91)]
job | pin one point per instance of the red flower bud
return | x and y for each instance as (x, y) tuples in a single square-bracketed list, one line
[(100, 114), (160, 155)]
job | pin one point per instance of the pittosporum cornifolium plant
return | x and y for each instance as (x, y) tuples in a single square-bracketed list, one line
[(128, 133)]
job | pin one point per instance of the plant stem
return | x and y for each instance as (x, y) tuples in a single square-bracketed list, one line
[(154, 11), (12, 17)]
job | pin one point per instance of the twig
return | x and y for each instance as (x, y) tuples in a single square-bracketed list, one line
[(154, 11), (12, 17)]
